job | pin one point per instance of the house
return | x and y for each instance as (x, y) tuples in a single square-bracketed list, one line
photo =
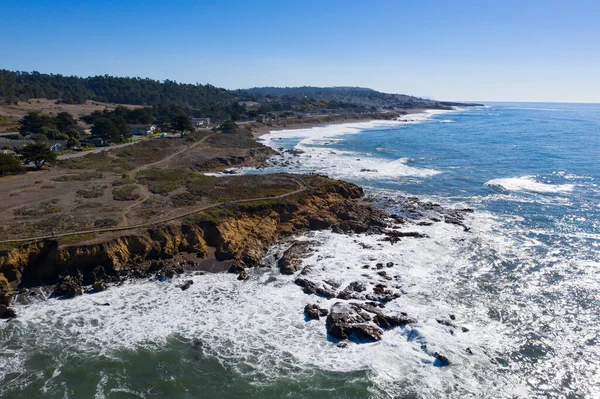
[(56, 147), (142, 130), (199, 123), (7, 151), (94, 141)]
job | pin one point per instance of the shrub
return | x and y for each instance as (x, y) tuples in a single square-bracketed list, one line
[(125, 193)]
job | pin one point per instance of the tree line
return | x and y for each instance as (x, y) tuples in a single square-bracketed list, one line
[(21, 86)]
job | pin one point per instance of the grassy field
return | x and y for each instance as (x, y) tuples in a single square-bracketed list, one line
[(132, 185)]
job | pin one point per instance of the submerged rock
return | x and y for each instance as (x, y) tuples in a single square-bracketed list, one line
[(187, 284), (314, 312), (6, 312), (440, 360)]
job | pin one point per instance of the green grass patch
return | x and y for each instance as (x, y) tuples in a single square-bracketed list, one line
[(67, 240), (44, 208), (162, 181), (126, 193), (93, 192), (85, 176), (101, 162)]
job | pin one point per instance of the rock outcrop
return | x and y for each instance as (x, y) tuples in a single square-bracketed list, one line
[(361, 322), (238, 232)]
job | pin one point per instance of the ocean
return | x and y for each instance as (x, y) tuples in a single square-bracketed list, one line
[(523, 280)]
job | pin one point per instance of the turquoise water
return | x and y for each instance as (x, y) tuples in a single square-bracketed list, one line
[(525, 280)]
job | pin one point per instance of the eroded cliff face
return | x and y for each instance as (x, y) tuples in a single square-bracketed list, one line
[(241, 233)]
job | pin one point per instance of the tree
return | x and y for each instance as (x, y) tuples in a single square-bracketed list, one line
[(34, 122), (38, 153), (181, 123), (229, 127), (65, 122), (9, 164), (105, 129)]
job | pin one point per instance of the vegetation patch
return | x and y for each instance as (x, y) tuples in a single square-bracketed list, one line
[(47, 186), (67, 240), (89, 205), (184, 199), (162, 181), (145, 152), (122, 182), (93, 192), (86, 176), (101, 162), (126, 193), (106, 222), (44, 208)]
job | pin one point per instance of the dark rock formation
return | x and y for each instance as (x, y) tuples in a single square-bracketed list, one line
[(310, 287), (441, 360), (314, 312), (69, 287), (99, 286), (353, 291), (187, 284), (6, 312), (291, 260), (243, 276), (350, 321)]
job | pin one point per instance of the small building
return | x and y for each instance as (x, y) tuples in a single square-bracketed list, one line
[(142, 130), (55, 147), (199, 123)]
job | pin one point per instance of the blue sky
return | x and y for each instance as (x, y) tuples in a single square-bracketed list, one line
[(482, 50)]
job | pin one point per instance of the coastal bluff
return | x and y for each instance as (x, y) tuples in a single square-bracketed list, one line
[(239, 233)]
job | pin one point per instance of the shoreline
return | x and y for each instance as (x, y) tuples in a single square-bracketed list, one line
[(262, 129)]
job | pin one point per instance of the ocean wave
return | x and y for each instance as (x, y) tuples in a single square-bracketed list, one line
[(529, 184)]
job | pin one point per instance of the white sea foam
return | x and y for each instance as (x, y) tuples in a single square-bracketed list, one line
[(316, 155), (257, 327), (528, 183)]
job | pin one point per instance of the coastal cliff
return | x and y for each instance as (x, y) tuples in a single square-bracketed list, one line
[(240, 233)]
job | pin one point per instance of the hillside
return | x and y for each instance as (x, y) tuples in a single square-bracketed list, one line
[(359, 96), (22, 86)]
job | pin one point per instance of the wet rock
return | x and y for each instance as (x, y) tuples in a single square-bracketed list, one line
[(310, 287), (379, 266), (243, 276), (236, 268), (388, 322), (350, 321), (452, 317), (389, 264), (69, 287), (6, 312), (469, 351), (441, 360), (446, 323), (99, 286), (342, 345), (352, 291), (291, 260), (187, 284), (395, 236), (314, 312)]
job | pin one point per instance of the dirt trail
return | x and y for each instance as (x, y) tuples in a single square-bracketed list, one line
[(298, 181)]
